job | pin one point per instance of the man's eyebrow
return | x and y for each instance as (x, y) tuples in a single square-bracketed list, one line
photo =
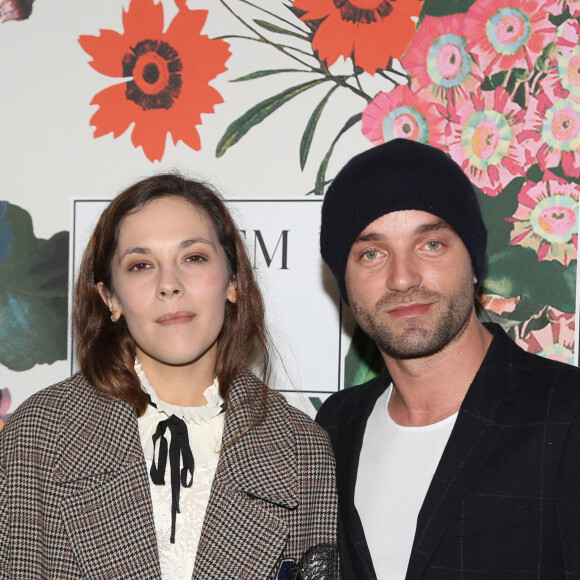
[(419, 231), (433, 227), (369, 237)]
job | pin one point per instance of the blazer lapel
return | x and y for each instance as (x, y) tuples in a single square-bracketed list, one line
[(106, 508), (485, 408), (256, 481)]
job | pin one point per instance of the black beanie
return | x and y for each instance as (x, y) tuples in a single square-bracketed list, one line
[(398, 175)]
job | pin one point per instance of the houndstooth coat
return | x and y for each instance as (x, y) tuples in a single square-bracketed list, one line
[(75, 501)]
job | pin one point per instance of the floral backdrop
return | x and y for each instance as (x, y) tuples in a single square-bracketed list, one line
[(273, 96)]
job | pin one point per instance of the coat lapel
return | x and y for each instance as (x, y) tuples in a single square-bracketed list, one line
[(486, 407), (244, 530), (106, 509)]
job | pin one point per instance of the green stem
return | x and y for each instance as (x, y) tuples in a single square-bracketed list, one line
[(261, 37), (284, 49), (288, 22), (264, 40)]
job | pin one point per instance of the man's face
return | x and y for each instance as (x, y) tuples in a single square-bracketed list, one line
[(410, 283)]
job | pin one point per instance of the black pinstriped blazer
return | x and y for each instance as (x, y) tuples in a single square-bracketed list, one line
[(75, 501), (504, 502)]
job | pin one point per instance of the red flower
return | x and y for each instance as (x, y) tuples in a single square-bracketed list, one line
[(169, 74), (370, 31), (555, 340)]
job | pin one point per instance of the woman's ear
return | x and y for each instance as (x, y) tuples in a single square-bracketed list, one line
[(232, 291), (110, 300)]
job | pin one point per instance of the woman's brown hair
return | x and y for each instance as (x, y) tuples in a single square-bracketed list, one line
[(106, 350)]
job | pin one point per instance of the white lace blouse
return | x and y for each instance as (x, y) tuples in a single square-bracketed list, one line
[(205, 427)]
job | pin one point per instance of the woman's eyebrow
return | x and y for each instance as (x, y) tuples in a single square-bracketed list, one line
[(135, 250), (183, 244), (191, 241)]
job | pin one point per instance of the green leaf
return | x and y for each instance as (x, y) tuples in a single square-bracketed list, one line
[(33, 292), (278, 29), (316, 403), (557, 19), (439, 8), (524, 311), (494, 81), (363, 360), (516, 271), (264, 73), (258, 113), (494, 211), (321, 175), (535, 173), (311, 127)]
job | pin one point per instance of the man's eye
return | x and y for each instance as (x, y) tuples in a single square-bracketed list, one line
[(371, 255), (433, 245)]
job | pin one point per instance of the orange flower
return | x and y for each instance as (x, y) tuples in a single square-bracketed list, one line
[(370, 31), (169, 74)]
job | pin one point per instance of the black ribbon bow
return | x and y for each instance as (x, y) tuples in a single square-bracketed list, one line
[(179, 453)]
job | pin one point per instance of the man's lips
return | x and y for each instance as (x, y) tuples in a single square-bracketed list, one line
[(406, 310), (175, 318)]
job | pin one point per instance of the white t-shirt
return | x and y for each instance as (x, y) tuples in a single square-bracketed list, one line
[(395, 470)]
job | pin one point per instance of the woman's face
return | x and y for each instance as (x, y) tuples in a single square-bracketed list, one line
[(171, 283)]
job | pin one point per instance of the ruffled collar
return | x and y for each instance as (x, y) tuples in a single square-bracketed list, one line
[(198, 415)]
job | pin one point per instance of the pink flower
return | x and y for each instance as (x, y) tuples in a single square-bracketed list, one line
[(509, 34), (402, 113), (555, 340), (5, 401), (568, 34), (553, 124), (573, 6), (498, 304), (483, 139), (563, 78), (569, 71), (546, 220), (437, 58)]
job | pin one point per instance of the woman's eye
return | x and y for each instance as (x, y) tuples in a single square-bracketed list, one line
[(139, 266), (195, 258)]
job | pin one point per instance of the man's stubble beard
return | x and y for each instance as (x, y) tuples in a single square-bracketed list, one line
[(417, 337)]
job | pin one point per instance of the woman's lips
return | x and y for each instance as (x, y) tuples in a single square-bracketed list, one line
[(175, 318)]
